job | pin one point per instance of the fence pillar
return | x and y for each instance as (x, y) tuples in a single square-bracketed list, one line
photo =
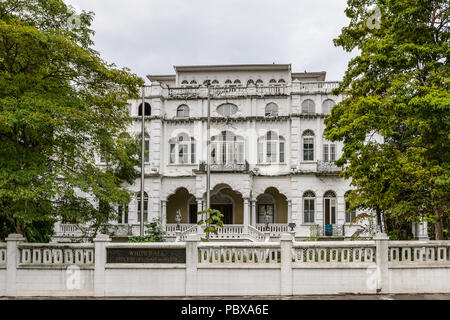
[(99, 264), (191, 264), (12, 260), (286, 264), (382, 248)]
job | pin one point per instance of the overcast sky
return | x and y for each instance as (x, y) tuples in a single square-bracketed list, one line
[(151, 36)]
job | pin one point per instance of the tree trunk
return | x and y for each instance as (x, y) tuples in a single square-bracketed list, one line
[(438, 227)]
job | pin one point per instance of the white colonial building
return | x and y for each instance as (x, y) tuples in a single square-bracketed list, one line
[(270, 161)]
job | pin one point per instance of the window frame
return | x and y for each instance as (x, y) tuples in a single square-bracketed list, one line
[(308, 134)]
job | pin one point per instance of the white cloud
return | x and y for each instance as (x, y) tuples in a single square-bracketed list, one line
[(151, 36)]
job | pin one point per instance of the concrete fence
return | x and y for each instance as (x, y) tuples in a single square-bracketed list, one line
[(194, 268)]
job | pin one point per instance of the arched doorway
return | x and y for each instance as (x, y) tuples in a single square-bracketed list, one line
[(229, 202), (224, 204)]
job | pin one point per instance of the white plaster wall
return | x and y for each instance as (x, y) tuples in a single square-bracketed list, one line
[(238, 281), (331, 281), (427, 279), (149, 281), (2, 281), (52, 282)]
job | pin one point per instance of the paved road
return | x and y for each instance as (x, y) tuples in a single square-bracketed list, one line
[(325, 297)]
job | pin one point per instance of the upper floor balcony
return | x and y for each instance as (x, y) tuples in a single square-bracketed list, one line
[(196, 92)]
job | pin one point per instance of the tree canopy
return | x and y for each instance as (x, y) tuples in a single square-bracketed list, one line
[(61, 106), (394, 117)]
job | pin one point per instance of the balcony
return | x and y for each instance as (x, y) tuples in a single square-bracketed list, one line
[(241, 91), (327, 167), (224, 167)]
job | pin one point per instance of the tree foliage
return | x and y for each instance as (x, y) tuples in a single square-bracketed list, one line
[(60, 106), (394, 118), (212, 220)]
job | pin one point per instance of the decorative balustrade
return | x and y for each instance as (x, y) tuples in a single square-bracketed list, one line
[(184, 92), (227, 167), (241, 91), (68, 229), (327, 252), (2, 254), (191, 230), (230, 231), (419, 252), (318, 86), (56, 254), (256, 234), (257, 253), (276, 229), (171, 228), (327, 166)]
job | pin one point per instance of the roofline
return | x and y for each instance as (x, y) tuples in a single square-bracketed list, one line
[(321, 75), (161, 77), (234, 67)]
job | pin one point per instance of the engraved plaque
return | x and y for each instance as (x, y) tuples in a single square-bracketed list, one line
[(145, 255)]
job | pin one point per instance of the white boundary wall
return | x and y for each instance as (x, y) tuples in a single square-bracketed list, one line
[(227, 269)]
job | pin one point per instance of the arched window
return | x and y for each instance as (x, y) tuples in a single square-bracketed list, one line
[(148, 110), (183, 111), (182, 150), (327, 105), (215, 83), (350, 215), (309, 204), (271, 110), (272, 82), (237, 82), (259, 82), (330, 208), (266, 209), (250, 82), (281, 81), (228, 82), (227, 109), (271, 148), (308, 107), (308, 145), (227, 148), (139, 207), (193, 82), (185, 82), (206, 82)]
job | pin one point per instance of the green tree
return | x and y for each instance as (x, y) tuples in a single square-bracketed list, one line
[(212, 220), (394, 117), (61, 106), (154, 233)]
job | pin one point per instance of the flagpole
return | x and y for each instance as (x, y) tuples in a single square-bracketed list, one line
[(142, 161), (208, 166)]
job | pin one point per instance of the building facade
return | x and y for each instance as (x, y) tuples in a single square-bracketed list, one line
[(271, 166)]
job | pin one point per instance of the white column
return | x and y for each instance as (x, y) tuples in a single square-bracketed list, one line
[(254, 213), (164, 213), (191, 264), (382, 272), (289, 213), (246, 215), (12, 259), (286, 288), (99, 264)]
